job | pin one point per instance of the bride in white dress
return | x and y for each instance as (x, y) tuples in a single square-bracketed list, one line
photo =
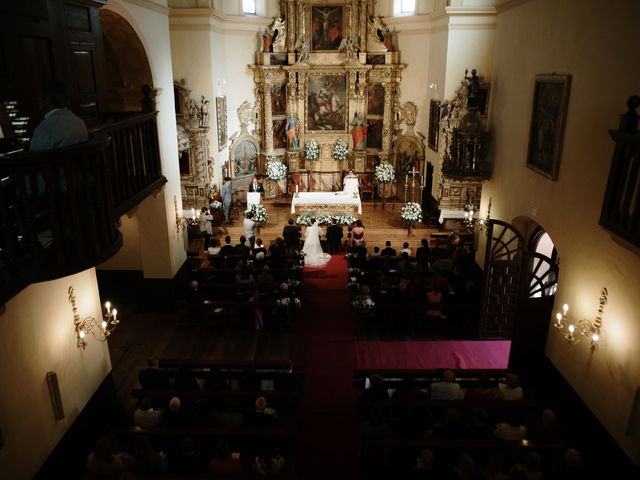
[(313, 254)]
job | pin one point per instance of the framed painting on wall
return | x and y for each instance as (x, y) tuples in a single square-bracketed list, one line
[(326, 25), (279, 136), (375, 99), (278, 99), (244, 159), (221, 122), (374, 133), (326, 103), (434, 124), (548, 116)]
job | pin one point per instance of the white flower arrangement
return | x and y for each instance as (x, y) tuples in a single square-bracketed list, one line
[(411, 213), (276, 170), (363, 304), (292, 302), (260, 214), (311, 150), (340, 150), (293, 283), (215, 205), (305, 219), (385, 173)]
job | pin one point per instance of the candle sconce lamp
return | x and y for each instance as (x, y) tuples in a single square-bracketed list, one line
[(100, 330), (583, 328)]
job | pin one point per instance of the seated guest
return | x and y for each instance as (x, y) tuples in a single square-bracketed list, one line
[(227, 249), (465, 469), (447, 389), (511, 389), (434, 297), (242, 248), (259, 247), (387, 251), (103, 463), (277, 252), (265, 278), (547, 430), (376, 251), (424, 468), (531, 470), (175, 415), (291, 236), (152, 377), (145, 415), (244, 277), (357, 234), (188, 459), (408, 392), (225, 462), (444, 265), (146, 460), (511, 429), (377, 391), (422, 253), (230, 415), (214, 247), (405, 249), (482, 390), (262, 417)]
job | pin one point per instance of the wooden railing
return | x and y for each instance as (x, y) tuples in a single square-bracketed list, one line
[(58, 208)]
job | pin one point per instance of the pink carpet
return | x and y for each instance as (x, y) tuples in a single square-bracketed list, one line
[(476, 354)]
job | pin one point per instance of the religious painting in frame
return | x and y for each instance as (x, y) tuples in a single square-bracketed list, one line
[(221, 122), (375, 99), (244, 158), (548, 116), (326, 27), (374, 132), (434, 124), (279, 135), (327, 103), (279, 99)]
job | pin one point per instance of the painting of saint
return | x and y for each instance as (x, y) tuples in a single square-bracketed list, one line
[(244, 159), (278, 99), (374, 133), (375, 99), (326, 27), (279, 134), (326, 103)]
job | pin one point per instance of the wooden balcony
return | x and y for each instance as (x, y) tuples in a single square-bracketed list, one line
[(59, 208)]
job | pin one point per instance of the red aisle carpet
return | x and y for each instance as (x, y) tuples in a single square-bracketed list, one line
[(478, 354), (325, 344)]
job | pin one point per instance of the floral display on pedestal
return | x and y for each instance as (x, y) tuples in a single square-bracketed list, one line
[(311, 150), (276, 170), (260, 214), (340, 150), (411, 213)]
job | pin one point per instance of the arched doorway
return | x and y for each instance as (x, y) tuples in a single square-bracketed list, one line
[(126, 67)]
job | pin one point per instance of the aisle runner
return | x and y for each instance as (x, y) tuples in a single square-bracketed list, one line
[(325, 344)]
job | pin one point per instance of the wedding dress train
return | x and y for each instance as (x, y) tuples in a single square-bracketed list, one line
[(313, 254)]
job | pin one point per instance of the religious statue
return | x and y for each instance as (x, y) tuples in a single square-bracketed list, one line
[(473, 90), (350, 48), (279, 37), (267, 39), (204, 112), (303, 47), (293, 131), (358, 132)]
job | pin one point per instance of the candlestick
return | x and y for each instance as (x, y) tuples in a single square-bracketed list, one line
[(406, 180), (296, 188)]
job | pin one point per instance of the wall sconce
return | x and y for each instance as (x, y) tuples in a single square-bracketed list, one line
[(90, 325), (483, 222), (471, 222), (583, 328), (183, 221)]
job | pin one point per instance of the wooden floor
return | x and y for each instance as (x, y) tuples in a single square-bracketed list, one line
[(174, 335)]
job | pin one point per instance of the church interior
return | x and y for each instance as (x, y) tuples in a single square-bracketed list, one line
[(495, 140)]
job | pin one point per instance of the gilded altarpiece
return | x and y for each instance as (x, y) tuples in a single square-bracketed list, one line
[(333, 74)]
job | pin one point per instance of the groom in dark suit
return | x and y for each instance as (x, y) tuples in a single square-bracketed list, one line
[(334, 236), (291, 235), (255, 186)]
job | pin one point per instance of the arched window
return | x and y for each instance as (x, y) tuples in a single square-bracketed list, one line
[(249, 7), (540, 242)]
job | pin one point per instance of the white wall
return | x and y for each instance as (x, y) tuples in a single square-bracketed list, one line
[(158, 234), (597, 45), (38, 335)]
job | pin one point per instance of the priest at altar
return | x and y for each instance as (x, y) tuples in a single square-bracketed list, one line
[(346, 199)]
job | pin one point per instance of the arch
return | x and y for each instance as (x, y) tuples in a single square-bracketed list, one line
[(127, 65)]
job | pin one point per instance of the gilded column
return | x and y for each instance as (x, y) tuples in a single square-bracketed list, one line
[(291, 25), (363, 25)]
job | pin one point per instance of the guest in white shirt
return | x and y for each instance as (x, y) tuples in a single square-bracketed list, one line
[(147, 416), (249, 226), (447, 389), (205, 226), (405, 249), (511, 389)]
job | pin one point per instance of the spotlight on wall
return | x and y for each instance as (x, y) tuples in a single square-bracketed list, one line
[(583, 328), (100, 330)]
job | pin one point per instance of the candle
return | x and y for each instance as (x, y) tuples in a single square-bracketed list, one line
[(108, 307), (406, 180), (296, 188)]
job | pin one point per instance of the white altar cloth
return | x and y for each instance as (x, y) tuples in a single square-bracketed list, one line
[(325, 200), (454, 214)]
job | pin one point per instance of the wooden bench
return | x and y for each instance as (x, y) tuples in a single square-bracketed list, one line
[(424, 378)]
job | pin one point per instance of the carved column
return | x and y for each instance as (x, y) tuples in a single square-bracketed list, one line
[(363, 25), (268, 124), (291, 25)]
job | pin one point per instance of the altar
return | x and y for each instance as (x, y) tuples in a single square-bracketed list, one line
[(326, 201)]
